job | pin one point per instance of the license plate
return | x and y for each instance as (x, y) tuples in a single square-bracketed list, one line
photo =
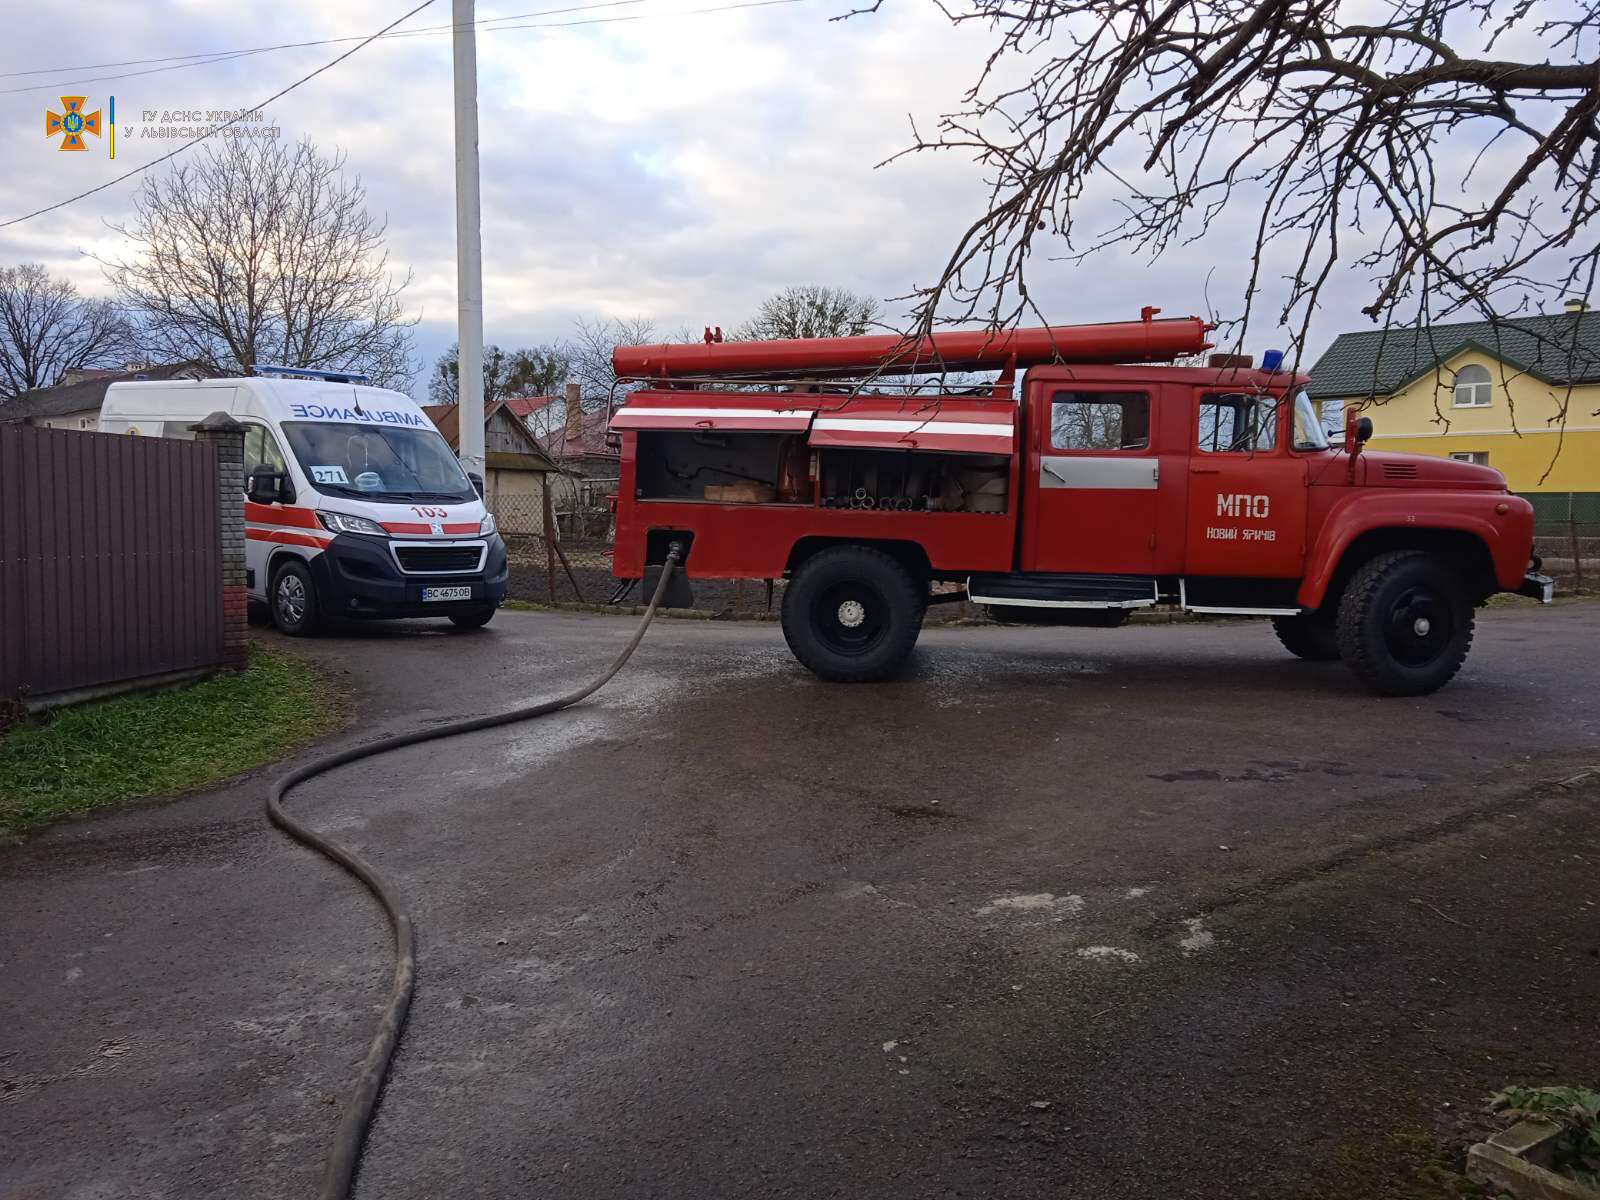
[(446, 593)]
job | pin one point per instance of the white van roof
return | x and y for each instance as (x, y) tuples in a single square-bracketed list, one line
[(273, 399)]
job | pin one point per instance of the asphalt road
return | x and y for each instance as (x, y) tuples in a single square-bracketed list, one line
[(1064, 913)]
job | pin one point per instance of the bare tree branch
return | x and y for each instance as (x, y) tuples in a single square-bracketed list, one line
[(1454, 182), (263, 253), (47, 328)]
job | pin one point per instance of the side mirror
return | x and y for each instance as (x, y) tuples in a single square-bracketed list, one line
[(267, 486), (477, 483), (1356, 431)]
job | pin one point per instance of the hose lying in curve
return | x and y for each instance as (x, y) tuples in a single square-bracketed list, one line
[(363, 1100)]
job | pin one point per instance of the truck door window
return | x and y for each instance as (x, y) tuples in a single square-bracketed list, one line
[(1238, 424), (261, 449), (1100, 421)]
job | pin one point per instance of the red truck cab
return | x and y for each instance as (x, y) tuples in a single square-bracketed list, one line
[(1081, 492)]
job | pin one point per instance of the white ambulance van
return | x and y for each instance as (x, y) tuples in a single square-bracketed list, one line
[(354, 505)]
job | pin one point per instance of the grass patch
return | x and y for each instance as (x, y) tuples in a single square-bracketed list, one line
[(1405, 1165), (160, 743)]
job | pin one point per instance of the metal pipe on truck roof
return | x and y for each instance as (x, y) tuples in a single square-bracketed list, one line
[(1147, 340)]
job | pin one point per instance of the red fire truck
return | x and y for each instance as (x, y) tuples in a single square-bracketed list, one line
[(1092, 485)]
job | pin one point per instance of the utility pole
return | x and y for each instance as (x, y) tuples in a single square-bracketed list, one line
[(469, 243)]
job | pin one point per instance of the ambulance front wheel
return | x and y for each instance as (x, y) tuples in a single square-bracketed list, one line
[(294, 600), (473, 618)]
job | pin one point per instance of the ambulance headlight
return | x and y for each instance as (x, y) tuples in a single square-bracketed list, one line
[(487, 525), (345, 523)]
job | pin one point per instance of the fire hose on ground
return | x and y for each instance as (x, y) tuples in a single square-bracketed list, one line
[(363, 1100)]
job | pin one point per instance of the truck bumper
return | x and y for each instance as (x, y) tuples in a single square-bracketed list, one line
[(355, 577), (1538, 587)]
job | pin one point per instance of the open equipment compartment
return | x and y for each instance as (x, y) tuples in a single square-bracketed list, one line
[(723, 466), (913, 480)]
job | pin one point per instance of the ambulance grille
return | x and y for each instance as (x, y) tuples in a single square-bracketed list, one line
[(438, 558)]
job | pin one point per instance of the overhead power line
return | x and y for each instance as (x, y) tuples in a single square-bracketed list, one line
[(39, 212), (179, 62), (202, 57), (692, 12)]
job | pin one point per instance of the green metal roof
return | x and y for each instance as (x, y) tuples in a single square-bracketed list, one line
[(1561, 348)]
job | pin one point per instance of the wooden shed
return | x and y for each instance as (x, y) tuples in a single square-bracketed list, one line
[(515, 466)]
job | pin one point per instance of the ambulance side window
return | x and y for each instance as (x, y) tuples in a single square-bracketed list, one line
[(261, 449)]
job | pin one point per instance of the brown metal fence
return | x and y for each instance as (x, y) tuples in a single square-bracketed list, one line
[(110, 559)]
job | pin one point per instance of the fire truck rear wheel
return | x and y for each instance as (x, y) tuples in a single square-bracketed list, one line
[(852, 614), (1312, 637), (1405, 623), (294, 600)]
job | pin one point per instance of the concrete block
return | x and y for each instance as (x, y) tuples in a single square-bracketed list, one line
[(1516, 1161)]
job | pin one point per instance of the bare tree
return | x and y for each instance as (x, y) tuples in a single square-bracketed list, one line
[(535, 371), (1394, 143), (46, 328), (258, 252), (811, 311), (589, 352)]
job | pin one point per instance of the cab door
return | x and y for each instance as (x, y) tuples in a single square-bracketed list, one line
[(1247, 493), (1096, 480), (269, 526)]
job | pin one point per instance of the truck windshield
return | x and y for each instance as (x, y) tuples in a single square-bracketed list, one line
[(1308, 431), (379, 462)]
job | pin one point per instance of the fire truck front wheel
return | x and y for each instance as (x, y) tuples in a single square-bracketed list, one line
[(294, 600), (852, 614), (1405, 623)]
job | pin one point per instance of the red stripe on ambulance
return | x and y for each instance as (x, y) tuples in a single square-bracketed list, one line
[(287, 537), (278, 514)]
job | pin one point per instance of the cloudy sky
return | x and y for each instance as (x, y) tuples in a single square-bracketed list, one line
[(679, 166)]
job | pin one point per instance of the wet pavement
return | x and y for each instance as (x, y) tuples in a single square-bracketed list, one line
[(1064, 913)]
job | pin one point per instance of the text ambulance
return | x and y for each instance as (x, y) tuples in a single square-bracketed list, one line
[(354, 505)]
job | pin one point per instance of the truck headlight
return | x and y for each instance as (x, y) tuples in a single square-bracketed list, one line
[(346, 523), (486, 526)]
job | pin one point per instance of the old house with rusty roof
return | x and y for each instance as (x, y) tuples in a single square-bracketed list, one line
[(516, 468), (573, 433)]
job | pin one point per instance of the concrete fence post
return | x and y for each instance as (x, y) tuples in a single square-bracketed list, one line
[(227, 437)]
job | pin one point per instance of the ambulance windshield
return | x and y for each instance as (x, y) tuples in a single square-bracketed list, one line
[(378, 462)]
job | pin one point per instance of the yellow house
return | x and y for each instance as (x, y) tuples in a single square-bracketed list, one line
[(1479, 392)]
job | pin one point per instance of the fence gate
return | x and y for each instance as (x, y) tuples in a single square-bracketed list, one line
[(110, 559)]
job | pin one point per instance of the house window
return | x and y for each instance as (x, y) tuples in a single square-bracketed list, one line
[(1480, 457), (1473, 389), (1099, 421)]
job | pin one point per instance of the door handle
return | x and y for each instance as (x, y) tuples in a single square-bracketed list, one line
[(1205, 470)]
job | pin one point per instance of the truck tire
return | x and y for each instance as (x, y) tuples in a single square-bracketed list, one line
[(1405, 623), (852, 614), (1313, 638), (473, 618), (293, 598)]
